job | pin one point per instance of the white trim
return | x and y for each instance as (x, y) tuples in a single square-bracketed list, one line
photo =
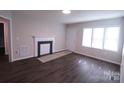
[(5, 17), (36, 39), (110, 61), (60, 50), (11, 42), (17, 59)]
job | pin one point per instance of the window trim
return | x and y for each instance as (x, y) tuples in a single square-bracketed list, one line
[(103, 42)]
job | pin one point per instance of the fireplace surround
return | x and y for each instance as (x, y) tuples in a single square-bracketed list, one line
[(40, 43), (43, 41)]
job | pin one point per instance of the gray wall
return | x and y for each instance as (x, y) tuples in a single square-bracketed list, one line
[(75, 34), (122, 62), (25, 26), (122, 68)]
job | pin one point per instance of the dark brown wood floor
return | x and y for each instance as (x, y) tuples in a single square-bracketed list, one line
[(72, 68)]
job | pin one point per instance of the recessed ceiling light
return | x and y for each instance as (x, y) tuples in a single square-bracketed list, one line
[(66, 11)]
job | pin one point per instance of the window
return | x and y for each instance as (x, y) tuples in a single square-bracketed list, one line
[(97, 40), (101, 38), (87, 34), (111, 38)]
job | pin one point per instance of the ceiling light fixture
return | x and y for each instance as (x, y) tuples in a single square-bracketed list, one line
[(66, 11)]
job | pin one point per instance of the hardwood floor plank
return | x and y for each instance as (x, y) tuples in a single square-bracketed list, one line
[(72, 68)]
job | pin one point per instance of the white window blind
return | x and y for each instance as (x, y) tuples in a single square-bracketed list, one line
[(111, 38), (101, 38), (87, 34), (97, 40)]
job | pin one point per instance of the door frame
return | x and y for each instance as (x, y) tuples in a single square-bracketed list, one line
[(3, 38), (7, 30)]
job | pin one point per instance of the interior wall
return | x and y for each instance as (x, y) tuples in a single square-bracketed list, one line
[(122, 62), (122, 68), (26, 26), (6, 14), (75, 35)]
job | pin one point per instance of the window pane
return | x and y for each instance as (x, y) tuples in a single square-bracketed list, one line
[(111, 38), (87, 33), (98, 34)]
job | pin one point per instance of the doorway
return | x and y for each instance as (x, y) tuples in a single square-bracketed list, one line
[(2, 45), (5, 40)]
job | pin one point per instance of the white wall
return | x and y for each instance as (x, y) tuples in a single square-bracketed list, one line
[(71, 38), (76, 40), (40, 25), (122, 61), (122, 68), (6, 14)]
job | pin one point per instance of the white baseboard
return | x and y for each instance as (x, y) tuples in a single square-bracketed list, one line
[(118, 63), (110, 61), (17, 59), (60, 50)]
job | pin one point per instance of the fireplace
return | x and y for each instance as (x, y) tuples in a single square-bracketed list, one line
[(43, 46), (49, 47)]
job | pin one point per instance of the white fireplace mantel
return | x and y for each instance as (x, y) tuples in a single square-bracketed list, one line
[(37, 39)]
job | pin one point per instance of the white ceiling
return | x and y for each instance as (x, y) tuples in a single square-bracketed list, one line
[(75, 16), (78, 16)]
